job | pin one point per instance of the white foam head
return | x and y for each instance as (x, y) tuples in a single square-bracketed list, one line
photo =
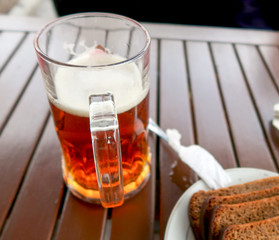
[(74, 85)]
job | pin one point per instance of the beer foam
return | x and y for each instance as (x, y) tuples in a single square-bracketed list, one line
[(74, 85)]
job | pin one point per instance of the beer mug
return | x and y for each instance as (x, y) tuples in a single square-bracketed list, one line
[(95, 68)]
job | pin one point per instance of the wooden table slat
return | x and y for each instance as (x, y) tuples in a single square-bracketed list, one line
[(271, 57), (39, 198), (15, 76), (173, 82), (213, 34), (264, 94), (175, 112), (8, 44), (243, 119), (18, 141), (211, 124), (81, 220)]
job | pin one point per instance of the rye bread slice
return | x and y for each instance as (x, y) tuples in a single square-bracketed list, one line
[(265, 230), (213, 201), (198, 198), (229, 214)]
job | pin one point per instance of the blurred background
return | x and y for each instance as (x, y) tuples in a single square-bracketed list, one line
[(256, 14), (37, 8)]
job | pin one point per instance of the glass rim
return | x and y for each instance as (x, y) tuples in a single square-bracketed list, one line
[(43, 55)]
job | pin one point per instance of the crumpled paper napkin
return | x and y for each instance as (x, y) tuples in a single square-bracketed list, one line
[(200, 160), (275, 121)]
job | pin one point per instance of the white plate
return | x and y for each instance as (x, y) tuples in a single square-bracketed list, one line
[(178, 226)]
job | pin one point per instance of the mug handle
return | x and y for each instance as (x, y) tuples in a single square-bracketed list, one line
[(106, 149)]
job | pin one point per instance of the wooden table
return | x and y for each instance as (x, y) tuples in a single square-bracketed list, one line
[(217, 86)]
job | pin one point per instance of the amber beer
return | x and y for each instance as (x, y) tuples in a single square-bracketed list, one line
[(70, 114), (78, 163)]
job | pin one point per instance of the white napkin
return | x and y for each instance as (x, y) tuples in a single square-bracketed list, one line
[(275, 120), (200, 160)]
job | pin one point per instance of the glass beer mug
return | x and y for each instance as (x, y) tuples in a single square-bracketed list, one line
[(95, 68)]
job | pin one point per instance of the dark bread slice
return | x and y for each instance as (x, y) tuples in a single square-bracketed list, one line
[(229, 214), (213, 201), (198, 198), (265, 230)]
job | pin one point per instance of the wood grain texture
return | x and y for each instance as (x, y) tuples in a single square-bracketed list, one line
[(81, 220), (246, 129), (175, 112), (211, 124), (19, 141), (217, 86), (35, 210), (15, 77)]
